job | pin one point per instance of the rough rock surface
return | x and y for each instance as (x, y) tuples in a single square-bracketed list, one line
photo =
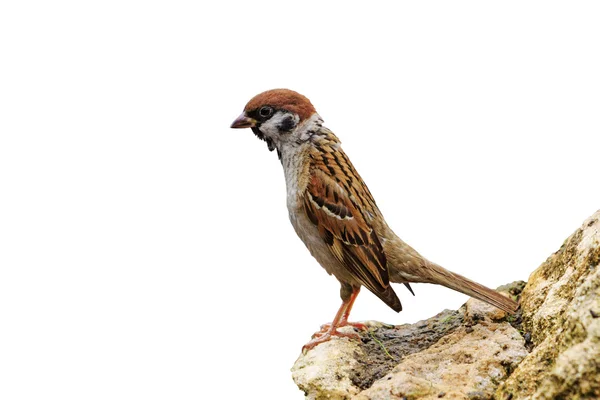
[(561, 310), (549, 350)]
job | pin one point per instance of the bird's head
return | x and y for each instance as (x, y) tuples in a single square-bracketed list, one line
[(279, 117)]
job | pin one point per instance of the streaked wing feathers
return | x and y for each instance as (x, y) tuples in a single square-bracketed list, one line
[(343, 227)]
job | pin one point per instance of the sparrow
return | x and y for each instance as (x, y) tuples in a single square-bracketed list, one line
[(335, 215)]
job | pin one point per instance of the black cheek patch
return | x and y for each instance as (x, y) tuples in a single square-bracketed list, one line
[(287, 124)]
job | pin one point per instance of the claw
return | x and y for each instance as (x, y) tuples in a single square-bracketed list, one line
[(319, 338), (327, 327)]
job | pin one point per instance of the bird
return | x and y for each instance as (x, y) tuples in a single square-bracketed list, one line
[(335, 215)]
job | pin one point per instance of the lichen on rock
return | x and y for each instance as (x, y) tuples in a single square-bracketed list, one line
[(558, 305)]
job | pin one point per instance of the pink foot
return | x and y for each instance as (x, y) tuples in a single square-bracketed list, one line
[(327, 327), (326, 336), (326, 333)]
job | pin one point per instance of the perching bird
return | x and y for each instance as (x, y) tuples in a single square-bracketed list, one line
[(335, 215)]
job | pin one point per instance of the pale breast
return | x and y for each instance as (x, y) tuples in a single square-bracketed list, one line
[(296, 170), (309, 234)]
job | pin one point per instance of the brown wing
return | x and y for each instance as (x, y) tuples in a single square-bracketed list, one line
[(337, 202)]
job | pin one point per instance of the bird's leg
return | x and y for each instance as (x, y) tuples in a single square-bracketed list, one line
[(345, 315), (324, 336), (341, 319), (344, 320)]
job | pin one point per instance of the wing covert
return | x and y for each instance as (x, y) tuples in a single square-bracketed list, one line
[(343, 227)]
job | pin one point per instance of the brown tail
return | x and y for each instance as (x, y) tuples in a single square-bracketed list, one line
[(457, 282)]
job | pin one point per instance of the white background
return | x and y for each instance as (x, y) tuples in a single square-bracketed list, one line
[(145, 250)]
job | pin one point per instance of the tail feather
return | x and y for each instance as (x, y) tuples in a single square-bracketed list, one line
[(442, 276)]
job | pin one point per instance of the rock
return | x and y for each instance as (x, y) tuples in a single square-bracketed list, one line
[(460, 364), (455, 354), (550, 349), (558, 305), (328, 369)]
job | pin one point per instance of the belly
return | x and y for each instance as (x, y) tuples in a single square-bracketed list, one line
[(309, 234), (295, 168)]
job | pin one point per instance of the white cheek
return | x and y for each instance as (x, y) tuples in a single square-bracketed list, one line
[(270, 127)]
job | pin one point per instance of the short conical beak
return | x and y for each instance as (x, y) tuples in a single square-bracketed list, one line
[(243, 122)]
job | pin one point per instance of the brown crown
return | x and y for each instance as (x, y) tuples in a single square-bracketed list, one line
[(283, 99)]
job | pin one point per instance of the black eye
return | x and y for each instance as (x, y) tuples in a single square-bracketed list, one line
[(265, 112)]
